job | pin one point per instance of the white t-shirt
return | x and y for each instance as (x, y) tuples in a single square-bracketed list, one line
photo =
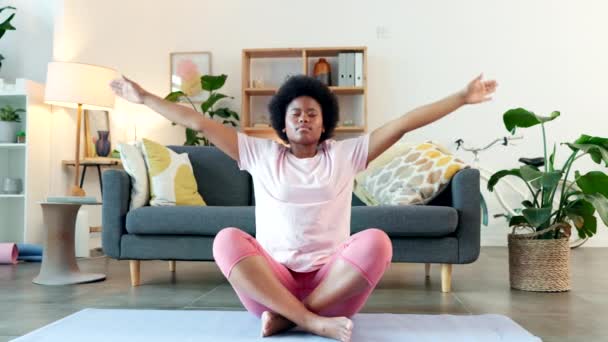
[(303, 206)]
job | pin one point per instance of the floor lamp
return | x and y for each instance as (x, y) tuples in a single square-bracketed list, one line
[(80, 86)]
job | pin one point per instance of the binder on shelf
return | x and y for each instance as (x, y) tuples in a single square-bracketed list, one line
[(359, 69), (350, 69), (342, 80)]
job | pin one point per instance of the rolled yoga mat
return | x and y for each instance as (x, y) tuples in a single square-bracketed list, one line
[(8, 253), (29, 252)]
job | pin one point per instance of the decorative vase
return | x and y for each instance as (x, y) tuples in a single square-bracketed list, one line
[(541, 265), (8, 131), (102, 146), (322, 71)]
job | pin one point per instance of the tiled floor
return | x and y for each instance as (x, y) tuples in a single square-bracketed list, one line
[(481, 287)]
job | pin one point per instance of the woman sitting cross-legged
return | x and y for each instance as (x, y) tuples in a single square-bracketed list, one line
[(304, 268)]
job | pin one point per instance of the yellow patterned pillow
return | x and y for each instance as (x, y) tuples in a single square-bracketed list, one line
[(172, 181), (407, 174)]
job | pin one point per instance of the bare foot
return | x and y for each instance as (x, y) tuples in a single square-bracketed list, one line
[(273, 323), (338, 328)]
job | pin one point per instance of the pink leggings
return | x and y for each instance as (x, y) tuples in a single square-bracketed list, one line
[(369, 251)]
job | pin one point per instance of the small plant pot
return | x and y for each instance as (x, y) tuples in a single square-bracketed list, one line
[(541, 265), (8, 131)]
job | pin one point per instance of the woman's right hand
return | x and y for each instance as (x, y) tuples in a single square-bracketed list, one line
[(128, 90)]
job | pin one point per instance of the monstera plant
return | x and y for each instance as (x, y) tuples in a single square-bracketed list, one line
[(578, 200), (210, 84), (539, 260)]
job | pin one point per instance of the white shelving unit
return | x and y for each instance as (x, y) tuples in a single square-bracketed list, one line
[(20, 214)]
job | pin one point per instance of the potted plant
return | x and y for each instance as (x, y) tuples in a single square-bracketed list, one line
[(9, 123), (6, 25), (211, 84), (21, 137), (539, 260)]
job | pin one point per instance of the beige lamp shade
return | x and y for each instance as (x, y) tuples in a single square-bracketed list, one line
[(69, 84)]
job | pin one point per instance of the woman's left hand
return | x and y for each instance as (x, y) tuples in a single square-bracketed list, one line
[(478, 91)]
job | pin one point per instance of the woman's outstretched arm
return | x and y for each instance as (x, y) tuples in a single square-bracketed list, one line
[(224, 137), (382, 138)]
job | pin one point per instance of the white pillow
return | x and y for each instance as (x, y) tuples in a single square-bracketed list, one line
[(134, 164)]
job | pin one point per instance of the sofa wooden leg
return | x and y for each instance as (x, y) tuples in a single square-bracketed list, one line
[(134, 266), (446, 277), (172, 265), (427, 270)]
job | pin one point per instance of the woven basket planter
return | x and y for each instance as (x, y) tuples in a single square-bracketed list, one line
[(540, 265)]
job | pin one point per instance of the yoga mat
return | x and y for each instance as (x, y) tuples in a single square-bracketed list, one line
[(28, 249), (117, 325), (8, 253)]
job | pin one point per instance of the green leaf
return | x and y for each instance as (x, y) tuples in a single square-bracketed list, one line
[(547, 180), (552, 159), (600, 203), (175, 96), (592, 182), (517, 220), (6, 25), (537, 216), (597, 147), (500, 174), (581, 213), (192, 138), (208, 104), (211, 83), (523, 118), (531, 175), (527, 204), (226, 113)]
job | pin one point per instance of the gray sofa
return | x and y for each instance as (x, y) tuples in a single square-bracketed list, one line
[(446, 231)]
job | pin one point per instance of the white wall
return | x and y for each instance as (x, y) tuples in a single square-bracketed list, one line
[(546, 55), (28, 49)]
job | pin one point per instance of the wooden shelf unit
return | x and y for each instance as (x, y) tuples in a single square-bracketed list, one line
[(305, 58)]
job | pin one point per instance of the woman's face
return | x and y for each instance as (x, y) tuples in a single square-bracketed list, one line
[(304, 121)]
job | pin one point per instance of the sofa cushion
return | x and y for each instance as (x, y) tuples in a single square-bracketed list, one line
[(193, 220), (406, 221), (396, 221), (218, 177)]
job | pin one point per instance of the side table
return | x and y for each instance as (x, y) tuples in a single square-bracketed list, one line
[(97, 162), (59, 265)]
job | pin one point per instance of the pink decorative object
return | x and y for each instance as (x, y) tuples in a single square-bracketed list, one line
[(8, 253), (186, 71), (190, 76)]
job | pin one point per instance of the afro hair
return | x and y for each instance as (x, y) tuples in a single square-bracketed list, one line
[(301, 85)]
